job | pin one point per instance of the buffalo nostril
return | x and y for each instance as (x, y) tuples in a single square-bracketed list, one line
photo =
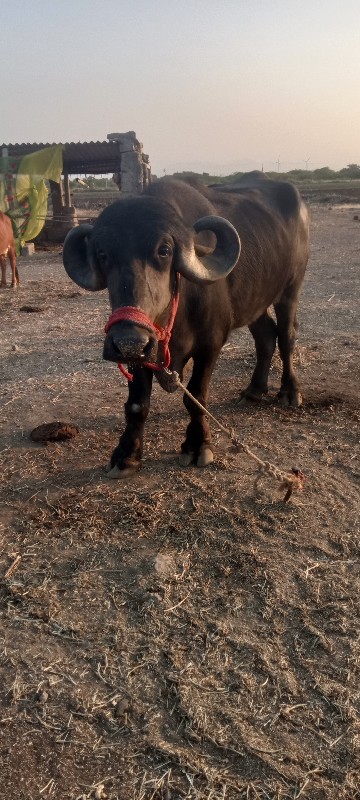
[(149, 349), (119, 344)]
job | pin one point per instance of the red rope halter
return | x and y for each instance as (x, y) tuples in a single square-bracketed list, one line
[(138, 317)]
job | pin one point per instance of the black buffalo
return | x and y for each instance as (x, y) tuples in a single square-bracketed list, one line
[(137, 249)]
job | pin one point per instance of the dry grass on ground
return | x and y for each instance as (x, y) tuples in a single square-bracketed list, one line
[(184, 634)]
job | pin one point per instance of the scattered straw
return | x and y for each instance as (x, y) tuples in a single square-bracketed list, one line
[(13, 567)]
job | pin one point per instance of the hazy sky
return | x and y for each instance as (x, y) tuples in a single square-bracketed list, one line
[(209, 85)]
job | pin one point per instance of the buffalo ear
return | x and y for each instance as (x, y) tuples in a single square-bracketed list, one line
[(204, 264), (202, 250), (79, 265)]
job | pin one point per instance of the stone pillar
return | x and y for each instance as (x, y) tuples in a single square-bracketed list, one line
[(146, 170), (135, 171)]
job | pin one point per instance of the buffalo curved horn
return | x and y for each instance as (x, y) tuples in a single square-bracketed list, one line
[(82, 269), (221, 261)]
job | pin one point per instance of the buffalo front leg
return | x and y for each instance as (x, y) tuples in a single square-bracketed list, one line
[(285, 310), (264, 332), (126, 458), (197, 446)]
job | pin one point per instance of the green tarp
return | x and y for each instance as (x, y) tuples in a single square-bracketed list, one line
[(23, 192)]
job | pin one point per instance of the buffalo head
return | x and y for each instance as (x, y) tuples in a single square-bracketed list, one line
[(135, 249)]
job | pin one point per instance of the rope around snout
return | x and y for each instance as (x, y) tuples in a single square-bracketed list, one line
[(289, 481), (138, 317)]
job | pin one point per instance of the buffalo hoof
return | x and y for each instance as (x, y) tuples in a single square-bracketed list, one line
[(115, 473), (185, 459), (290, 399), (247, 402), (252, 395), (205, 457)]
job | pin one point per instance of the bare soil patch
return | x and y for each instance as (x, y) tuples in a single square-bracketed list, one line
[(184, 634)]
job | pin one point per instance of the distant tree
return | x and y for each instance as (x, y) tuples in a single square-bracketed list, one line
[(201, 177), (299, 175), (323, 174), (233, 178), (351, 171)]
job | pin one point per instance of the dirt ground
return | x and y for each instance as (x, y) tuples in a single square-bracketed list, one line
[(185, 634)]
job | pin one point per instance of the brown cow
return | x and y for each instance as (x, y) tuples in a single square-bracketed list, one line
[(7, 248)]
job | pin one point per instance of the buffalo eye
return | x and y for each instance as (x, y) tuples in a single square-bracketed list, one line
[(102, 257), (164, 251)]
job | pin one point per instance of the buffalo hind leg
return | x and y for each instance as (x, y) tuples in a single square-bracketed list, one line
[(3, 271), (197, 446), (14, 271), (264, 331), (285, 310), (126, 458)]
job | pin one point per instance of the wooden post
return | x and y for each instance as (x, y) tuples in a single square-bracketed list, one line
[(67, 189), (56, 198)]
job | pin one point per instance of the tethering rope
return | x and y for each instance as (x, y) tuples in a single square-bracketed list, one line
[(289, 481)]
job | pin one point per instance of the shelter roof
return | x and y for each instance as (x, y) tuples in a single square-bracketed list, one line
[(80, 158)]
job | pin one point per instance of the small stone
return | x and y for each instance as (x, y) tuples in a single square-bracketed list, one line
[(164, 565), (28, 249), (15, 347), (42, 696), (121, 708)]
